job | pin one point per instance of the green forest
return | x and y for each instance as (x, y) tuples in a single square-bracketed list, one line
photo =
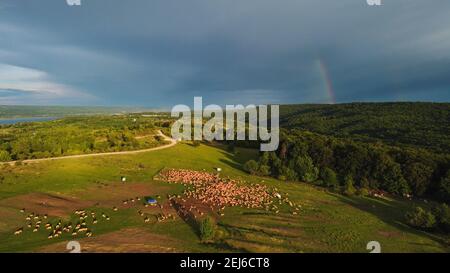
[(400, 148), (79, 135), (366, 149), (412, 124)]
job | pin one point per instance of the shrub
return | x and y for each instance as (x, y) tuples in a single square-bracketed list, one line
[(442, 214), (329, 178), (264, 170), (304, 166), (364, 185), (363, 192), (281, 177), (349, 189), (207, 229), (4, 156), (288, 174), (421, 218), (252, 167)]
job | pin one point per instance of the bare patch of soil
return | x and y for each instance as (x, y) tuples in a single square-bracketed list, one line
[(130, 240), (51, 204)]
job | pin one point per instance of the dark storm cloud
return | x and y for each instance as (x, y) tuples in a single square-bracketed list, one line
[(160, 53)]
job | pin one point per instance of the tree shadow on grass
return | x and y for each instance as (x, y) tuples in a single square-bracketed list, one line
[(187, 217), (235, 160), (391, 212)]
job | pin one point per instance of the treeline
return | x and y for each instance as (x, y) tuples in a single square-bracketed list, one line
[(356, 166), (78, 135)]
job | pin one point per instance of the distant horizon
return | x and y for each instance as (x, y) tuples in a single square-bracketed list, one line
[(168, 108)]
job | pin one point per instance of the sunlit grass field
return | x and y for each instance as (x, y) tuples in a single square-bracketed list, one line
[(327, 222)]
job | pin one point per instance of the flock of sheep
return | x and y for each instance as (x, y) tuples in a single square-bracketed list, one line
[(217, 192), (207, 188), (57, 229)]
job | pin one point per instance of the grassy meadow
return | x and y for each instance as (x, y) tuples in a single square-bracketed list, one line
[(327, 222)]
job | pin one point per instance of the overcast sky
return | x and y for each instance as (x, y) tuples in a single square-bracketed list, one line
[(158, 53)]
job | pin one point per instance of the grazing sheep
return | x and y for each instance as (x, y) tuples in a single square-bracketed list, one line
[(83, 229), (22, 210), (18, 231)]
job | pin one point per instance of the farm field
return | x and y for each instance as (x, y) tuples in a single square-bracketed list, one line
[(326, 222)]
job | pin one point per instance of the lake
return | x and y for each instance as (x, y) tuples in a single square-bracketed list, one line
[(21, 120)]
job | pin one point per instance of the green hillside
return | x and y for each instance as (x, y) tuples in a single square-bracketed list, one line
[(424, 125)]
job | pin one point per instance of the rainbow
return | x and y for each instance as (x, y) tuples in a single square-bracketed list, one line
[(327, 81)]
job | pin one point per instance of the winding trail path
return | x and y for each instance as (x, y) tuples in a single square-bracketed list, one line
[(172, 143)]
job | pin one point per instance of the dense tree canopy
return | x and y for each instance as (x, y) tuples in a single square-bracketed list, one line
[(331, 161), (78, 135)]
